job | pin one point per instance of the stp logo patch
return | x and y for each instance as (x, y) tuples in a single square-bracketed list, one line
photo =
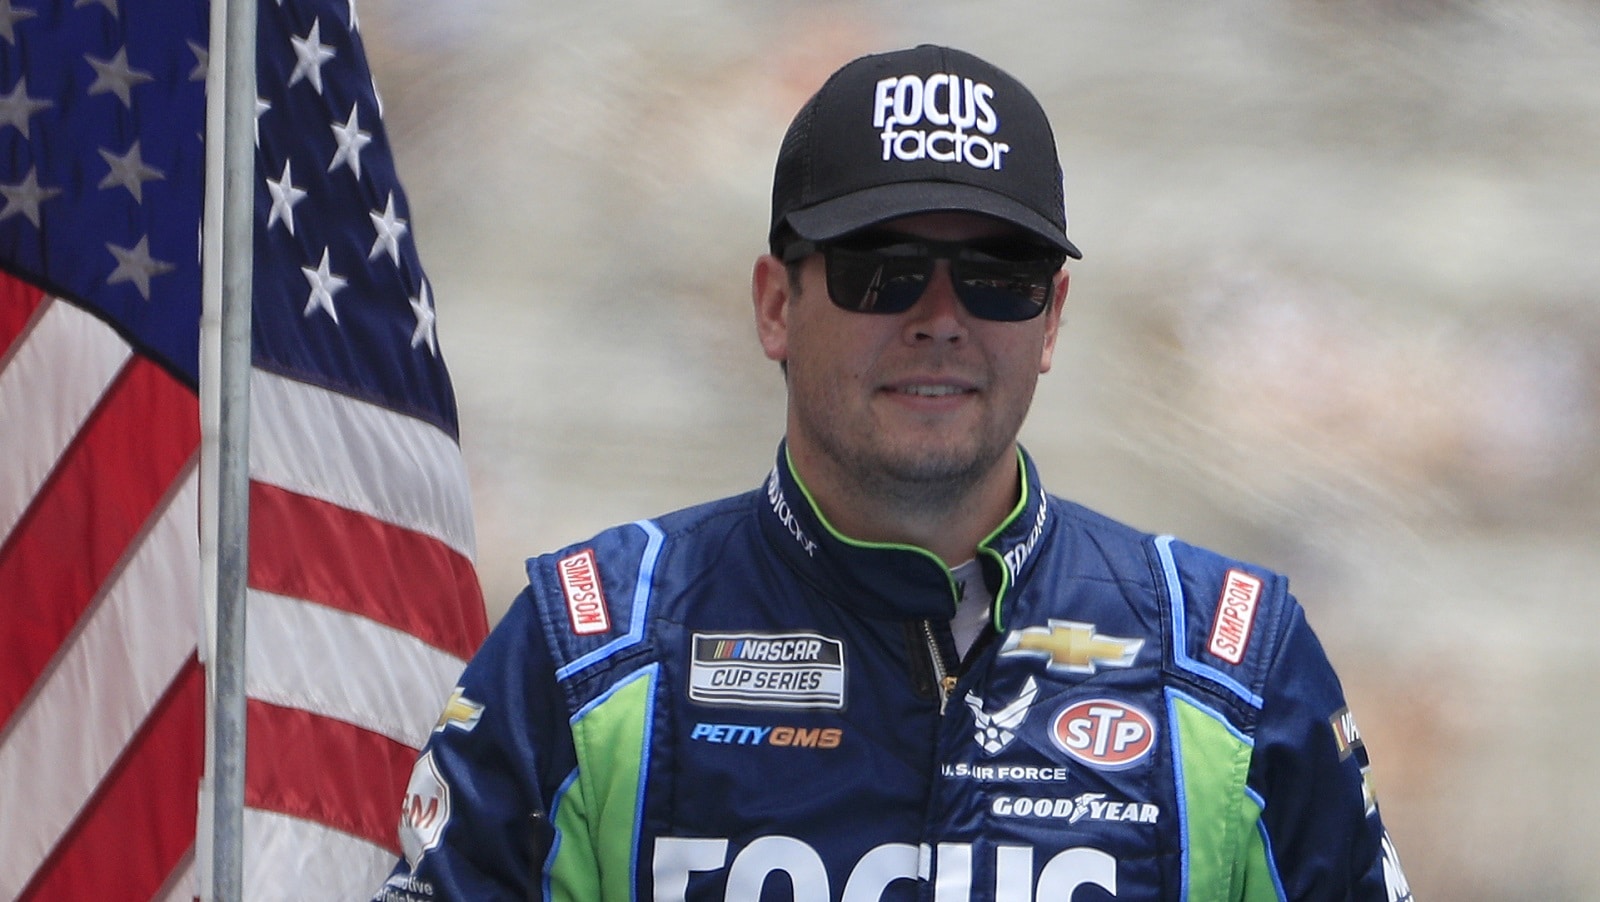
[(1104, 734)]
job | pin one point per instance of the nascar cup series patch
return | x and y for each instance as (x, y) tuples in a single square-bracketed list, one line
[(767, 670)]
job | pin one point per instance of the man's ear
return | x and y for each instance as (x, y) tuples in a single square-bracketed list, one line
[(1053, 317), (770, 292)]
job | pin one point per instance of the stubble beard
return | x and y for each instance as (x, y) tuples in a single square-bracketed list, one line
[(909, 479)]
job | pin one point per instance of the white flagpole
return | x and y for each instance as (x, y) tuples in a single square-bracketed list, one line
[(228, 243)]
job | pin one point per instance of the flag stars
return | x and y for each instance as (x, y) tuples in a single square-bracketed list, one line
[(17, 107), (391, 228), (24, 198), (262, 106), (202, 61), (136, 265), (110, 5), (9, 18), (284, 196), (324, 285), (115, 76), (351, 140), (422, 308), (310, 53), (129, 171)]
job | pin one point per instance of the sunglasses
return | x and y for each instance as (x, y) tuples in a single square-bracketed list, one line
[(1007, 281)]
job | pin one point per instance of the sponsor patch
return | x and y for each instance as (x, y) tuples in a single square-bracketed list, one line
[(785, 514), (1104, 734), (1004, 773), (935, 118), (995, 730), (767, 670), (1236, 611), (1092, 806), (459, 712), (1346, 735), (1071, 646), (586, 602), (426, 810), (1394, 878), (780, 736)]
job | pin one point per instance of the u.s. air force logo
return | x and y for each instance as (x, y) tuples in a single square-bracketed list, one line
[(767, 670)]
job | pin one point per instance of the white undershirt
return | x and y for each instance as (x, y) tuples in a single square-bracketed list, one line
[(972, 611)]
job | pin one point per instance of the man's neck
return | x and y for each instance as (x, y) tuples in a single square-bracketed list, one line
[(946, 520)]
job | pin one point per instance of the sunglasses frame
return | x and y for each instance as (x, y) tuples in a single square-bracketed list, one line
[(973, 270)]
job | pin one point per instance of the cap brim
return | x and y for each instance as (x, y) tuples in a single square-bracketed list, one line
[(871, 206)]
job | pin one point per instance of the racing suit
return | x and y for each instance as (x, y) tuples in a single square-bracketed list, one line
[(735, 702)]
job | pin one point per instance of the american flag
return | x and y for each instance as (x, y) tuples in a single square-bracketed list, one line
[(362, 604)]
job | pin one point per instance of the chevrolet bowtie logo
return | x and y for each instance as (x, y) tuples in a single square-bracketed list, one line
[(1072, 646), (460, 712)]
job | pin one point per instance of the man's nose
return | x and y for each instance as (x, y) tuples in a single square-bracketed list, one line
[(938, 314)]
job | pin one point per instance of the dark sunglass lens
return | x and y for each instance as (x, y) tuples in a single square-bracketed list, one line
[(870, 282), (1002, 293)]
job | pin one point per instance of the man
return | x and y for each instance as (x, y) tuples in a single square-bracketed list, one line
[(899, 669)]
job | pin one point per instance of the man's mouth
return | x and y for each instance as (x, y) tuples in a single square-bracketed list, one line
[(931, 391)]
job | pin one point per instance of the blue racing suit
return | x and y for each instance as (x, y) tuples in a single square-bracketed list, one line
[(735, 702)]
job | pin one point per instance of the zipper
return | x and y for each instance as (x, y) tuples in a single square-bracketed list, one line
[(942, 677)]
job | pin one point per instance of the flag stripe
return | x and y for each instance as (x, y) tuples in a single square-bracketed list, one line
[(18, 301), (282, 866), (99, 498), (181, 885), (361, 528), (394, 467), (305, 548), (163, 758), (98, 691), (51, 384), (327, 771), (299, 655)]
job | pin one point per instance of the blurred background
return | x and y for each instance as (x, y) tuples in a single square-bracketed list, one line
[(1337, 314)]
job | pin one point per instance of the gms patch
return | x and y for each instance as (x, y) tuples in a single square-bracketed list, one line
[(767, 670)]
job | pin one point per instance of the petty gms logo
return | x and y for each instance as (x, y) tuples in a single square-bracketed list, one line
[(934, 118), (781, 736), (586, 603), (1104, 734), (767, 670)]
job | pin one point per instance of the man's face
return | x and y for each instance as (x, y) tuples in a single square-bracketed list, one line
[(927, 400)]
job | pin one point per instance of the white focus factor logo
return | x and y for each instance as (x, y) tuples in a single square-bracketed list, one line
[(425, 811), (996, 730), (1394, 879)]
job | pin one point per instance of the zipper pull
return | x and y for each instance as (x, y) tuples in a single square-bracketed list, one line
[(942, 676)]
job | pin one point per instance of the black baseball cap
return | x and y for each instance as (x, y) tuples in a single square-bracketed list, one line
[(923, 130)]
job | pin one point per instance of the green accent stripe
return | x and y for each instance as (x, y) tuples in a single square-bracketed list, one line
[(983, 546), (1225, 857), (597, 817)]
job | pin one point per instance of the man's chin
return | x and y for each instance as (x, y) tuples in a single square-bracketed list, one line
[(947, 468)]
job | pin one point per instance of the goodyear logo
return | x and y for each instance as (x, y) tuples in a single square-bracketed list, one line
[(767, 670)]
